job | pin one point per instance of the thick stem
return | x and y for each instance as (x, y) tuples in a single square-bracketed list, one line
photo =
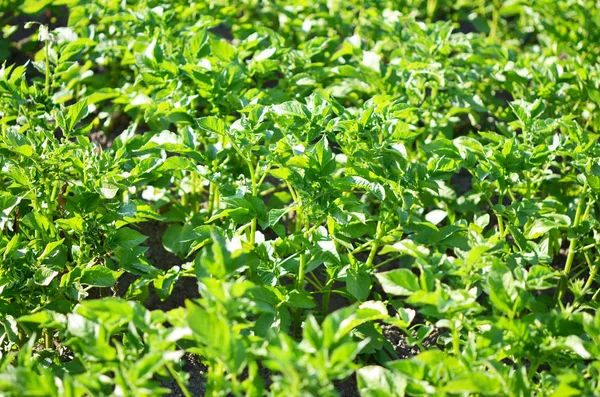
[(253, 232), (495, 17), (299, 287), (48, 338), (375, 245), (326, 297), (455, 340), (301, 267), (572, 246), (431, 7)]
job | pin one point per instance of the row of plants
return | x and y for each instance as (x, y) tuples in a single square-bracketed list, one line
[(328, 173)]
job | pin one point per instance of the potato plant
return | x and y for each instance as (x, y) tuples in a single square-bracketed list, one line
[(324, 198)]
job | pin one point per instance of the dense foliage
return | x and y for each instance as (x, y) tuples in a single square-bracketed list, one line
[(329, 173)]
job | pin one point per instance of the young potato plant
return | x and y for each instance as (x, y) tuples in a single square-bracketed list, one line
[(242, 198)]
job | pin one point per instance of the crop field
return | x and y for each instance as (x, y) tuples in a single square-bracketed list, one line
[(299, 198)]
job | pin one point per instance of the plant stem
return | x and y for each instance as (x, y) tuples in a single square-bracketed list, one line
[(375, 245), (327, 296), (299, 287), (572, 246), (47, 338), (194, 191), (301, 266), (253, 232), (47, 56), (455, 340), (178, 379), (254, 193), (495, 17), (593, 272), (385, 262), (431, 7)]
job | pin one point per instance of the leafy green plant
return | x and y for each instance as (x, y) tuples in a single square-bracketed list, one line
[(311, 199)]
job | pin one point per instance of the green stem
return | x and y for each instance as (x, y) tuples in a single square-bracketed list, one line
[(431, 7), (385, 262), (178, 379), (499, 216), (254, 194), (326, 297), (314, 283), (253, 232), (47, 338), (54, 192), (194, 191), (572, 246), (375, 245), (593, 272), (495, 17), (362, 247), (301, 266), (299, 287), (211, 198), (47, 56), (455, 340), (184, 199)]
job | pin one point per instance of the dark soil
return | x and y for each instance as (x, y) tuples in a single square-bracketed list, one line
[(185, 288), (398, 339), (195, 383), (462, 181)]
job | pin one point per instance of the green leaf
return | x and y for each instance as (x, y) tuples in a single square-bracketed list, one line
[(358, 283), (75, 48), (357, 181), (50, 248), (375, 381), (276, 214), (75, 113), (44, 275), (99, 276), (109, 190), (128, 238), (300, 300), (542, 226), (164, 284), (212, 124), (222, 50), (176, 163), (197, 45), (474, 383), (34, 6), (403, 131), (211, 329), (291, 109), (502, 288), (400, 282)]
